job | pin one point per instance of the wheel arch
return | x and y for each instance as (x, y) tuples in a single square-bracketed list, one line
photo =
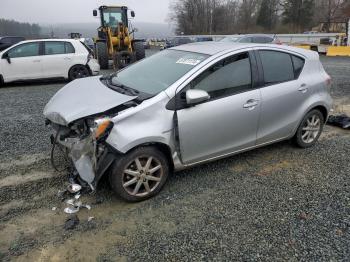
[(322, 108), (162, 147)]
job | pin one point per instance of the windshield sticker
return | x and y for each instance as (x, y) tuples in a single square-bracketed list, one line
[(188, 61)]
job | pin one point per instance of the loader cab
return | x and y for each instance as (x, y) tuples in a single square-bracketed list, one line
[(112, 16)]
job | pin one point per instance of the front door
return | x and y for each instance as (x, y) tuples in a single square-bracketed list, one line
[(228, 121), (25, 63)]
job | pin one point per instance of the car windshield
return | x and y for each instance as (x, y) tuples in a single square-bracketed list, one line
[(156, 73), (230, 39), (112, 16)]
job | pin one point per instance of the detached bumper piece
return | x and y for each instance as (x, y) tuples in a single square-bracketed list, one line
[(342, 121)]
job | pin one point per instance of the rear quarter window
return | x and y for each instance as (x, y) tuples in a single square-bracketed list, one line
[(298, 64), (69, 48)]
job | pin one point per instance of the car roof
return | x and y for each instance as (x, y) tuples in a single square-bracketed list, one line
[(213, 48), (50, 40)]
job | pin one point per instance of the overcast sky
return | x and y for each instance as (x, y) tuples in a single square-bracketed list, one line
[(78, 11)]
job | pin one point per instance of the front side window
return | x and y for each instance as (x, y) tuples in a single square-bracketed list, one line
[(277, 67), (227, 77), (156, 73), (24, 50)]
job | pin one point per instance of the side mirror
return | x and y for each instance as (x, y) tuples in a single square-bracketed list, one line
[(94, 12), (7, 57), (196, 96), (132, 14)]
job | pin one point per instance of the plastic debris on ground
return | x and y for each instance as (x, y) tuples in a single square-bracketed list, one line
[(74, 188), (342, 121), (74, 204)]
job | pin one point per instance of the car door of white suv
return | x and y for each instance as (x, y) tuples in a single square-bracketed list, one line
[(228, 121), (58, 58), (22, 62)]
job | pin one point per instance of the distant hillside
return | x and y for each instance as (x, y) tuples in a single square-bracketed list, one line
[(145, 30)]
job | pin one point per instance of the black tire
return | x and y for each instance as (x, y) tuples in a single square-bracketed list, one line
[(301, 136), (139, 50), (78, 71), (118, 176), (1, 81), (102, 54)]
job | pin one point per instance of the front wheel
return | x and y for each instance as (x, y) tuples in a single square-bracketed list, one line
[(139, 50), (139, 174), (310, 129)]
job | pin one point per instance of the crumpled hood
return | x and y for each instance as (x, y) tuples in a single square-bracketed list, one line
[(82, 98)]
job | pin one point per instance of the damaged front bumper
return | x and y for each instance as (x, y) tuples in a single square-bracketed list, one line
[(90, 155)]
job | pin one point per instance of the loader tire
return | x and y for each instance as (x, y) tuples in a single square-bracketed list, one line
[(139, 50), (102, 54)]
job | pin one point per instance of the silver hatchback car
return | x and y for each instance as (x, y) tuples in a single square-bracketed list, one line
[(185, 106)]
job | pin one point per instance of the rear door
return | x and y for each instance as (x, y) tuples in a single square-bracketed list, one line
[(58, 58), (283, 94), (25, 62), (228, 121)]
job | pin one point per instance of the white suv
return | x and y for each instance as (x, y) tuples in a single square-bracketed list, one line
[(49, 58)]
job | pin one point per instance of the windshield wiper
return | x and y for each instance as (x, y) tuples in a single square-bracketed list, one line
[(123, 87)]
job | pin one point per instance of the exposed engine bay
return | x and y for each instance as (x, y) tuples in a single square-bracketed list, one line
[(84, 143)]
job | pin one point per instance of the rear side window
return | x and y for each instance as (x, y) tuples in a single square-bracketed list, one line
[(298, 64), (277, 66), (24, 50), (69, 48), (227, 77), (57, 48), (262, 39)]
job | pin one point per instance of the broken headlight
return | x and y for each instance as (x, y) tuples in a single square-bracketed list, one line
[(102, 129)]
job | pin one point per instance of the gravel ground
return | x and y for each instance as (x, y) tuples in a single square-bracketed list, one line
[(274, 203)]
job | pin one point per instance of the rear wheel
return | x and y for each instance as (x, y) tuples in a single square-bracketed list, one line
[(139, 50), (102, 54), (78, 71), (310, 129), (139, 174)]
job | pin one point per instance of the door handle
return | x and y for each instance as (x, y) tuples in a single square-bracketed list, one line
[(303, 88), (251, 104), (36, 61), (67, 58)]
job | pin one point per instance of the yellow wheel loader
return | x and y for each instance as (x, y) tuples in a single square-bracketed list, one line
[(115, 41)]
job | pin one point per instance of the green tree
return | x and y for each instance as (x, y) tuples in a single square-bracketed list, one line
[(265, 18), (298, 13)]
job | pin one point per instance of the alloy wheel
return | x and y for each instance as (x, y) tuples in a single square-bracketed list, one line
[(311, 129), (142, 176)]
